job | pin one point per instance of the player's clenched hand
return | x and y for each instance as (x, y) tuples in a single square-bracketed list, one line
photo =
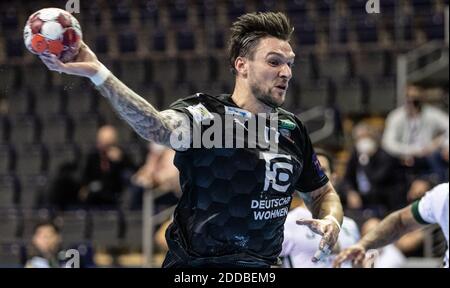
[(85, 63), (329, 232), (355, 252)]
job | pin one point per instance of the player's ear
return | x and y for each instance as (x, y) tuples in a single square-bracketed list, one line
[(241, 66)]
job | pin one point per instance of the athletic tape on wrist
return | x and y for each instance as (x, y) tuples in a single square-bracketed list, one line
[(100, 76), (332, 218)]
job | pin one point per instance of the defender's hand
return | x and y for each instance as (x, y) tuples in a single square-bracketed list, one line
[(329, 232), (85, 63), (356, 252)]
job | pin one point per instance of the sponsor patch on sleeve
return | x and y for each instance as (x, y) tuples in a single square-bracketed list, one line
[(238, 112), (199, 113), (287, 124), (317, 165)]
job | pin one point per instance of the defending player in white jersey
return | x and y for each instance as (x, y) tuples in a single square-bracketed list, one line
[(300, 243), (430, 209)]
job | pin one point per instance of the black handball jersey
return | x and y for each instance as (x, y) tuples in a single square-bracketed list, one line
[(235, 200)]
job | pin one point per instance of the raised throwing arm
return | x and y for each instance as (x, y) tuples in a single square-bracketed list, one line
[(148, 122)]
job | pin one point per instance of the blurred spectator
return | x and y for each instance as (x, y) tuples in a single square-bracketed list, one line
[(160, 237), (159, 173), (389, 256), (64, 188), (107, 171), (373, 179), (439, 162), (418, 188), (46, 247), (415, 133), (444, 149)]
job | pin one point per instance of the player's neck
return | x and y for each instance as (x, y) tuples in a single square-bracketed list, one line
[(244, 99)]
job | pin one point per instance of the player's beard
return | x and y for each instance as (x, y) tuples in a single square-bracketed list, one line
[(265, 96)]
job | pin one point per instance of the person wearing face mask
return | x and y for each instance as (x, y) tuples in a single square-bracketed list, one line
[(373, 178), (415, 134)]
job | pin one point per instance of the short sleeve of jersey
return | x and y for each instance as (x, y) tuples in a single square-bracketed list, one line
[(312, 176), (194, 110), (429, 208), (183, 105)]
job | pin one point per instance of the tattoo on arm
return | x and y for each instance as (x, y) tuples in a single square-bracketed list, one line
[(391, 228), (323, 201), (148, 122), (386, 232)]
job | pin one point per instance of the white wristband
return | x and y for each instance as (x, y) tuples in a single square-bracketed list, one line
[(332, 218), (100, 76)]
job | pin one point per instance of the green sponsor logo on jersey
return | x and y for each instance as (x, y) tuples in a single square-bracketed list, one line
[(287, 124)]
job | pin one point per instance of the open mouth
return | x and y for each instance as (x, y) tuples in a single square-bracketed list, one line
[(281, 87)]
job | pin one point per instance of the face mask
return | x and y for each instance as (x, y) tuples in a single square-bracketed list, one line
[(366, 146), (417, 104)]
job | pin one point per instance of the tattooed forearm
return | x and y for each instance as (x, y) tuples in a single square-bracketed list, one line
[(324, 201), (389, 230), (148, 122)]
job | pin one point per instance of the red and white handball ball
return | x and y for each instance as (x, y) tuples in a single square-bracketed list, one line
[(55, 31)]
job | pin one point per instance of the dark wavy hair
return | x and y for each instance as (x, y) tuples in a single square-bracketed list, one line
[(249, 28)]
